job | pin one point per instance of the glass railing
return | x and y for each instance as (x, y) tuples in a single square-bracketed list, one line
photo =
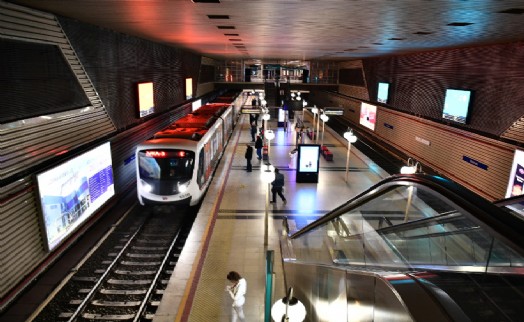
[(415, 222)]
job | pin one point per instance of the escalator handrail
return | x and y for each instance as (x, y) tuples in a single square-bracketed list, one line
[(497, 222)]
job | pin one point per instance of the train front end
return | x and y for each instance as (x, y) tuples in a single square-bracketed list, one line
[(165, 175)]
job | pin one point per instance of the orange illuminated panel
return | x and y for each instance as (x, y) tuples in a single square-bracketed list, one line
[(156, 154), (146, 103), (189, 88)]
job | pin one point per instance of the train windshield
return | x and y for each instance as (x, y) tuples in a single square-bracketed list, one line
[(166, 164)]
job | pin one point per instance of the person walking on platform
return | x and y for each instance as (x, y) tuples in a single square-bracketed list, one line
[(258, 147), (253, 131), (237, 291), (277, 186), (249, 156)]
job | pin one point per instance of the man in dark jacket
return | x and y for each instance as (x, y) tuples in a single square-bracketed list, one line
[(249, 156), (258, 146), (277, 186)]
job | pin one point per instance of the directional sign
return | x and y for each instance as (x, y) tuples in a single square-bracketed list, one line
[(333, 110)]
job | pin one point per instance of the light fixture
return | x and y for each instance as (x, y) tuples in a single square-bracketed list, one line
[(324, 119), (411, 168), (351, 138), (288, 309), (267, 176)]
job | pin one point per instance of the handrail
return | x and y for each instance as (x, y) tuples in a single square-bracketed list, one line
[(497, 222)]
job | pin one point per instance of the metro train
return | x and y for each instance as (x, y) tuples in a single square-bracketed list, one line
[(176, 165)]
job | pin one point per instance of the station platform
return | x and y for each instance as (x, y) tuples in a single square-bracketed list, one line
[(228, 233)]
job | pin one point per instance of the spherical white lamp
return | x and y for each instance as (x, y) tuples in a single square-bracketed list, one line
[(296, 311), (411, 167), (266, 116), (350, 136), (269, 135)]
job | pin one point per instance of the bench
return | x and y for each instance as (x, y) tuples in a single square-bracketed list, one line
[(328, 155)]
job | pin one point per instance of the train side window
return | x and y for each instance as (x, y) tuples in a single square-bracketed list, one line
[(201, 167)]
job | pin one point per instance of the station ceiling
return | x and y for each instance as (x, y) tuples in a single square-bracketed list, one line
[(302, 29)]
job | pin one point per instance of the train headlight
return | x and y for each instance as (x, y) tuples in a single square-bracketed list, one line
[(182, 187), (146, 187)]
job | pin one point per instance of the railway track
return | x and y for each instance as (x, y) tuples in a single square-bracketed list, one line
[(124, 279)]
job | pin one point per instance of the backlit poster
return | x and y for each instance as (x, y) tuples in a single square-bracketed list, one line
[(146, 103), (516, 176), (368, 116), (72, 191)]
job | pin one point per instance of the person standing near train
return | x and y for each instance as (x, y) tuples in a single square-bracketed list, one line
[(248, 155), (258, 146)]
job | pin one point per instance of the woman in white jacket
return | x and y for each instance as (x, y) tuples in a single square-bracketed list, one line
[(237, 292)]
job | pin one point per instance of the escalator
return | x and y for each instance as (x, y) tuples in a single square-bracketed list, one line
[(411, 248)]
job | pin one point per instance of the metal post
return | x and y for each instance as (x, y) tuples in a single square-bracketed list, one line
[(322, 142), (266, 215), (318, 125), (347, 161)]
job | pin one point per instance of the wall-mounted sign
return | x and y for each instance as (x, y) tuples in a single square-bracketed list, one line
[(423, 141), (333, 111), (475, 162), (250, 111)]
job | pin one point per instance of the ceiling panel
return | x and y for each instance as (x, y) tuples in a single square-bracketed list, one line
[(303, 29)]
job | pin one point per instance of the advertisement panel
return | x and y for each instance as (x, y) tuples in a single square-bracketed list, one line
[(72, 191), (308, 162), (516, 176), (368, 116)]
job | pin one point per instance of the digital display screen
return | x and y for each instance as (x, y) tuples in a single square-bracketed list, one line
[(146, 103), (71, 192), (368, 115), (308, 158), (456, 105), (383, 92), (516, 176)]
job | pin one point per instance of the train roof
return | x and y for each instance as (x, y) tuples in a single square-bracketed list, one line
[(169, 142), (194, 125)]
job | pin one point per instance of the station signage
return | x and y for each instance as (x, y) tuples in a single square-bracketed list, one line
[(333, 111)]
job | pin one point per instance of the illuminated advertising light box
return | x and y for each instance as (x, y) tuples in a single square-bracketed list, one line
[(368, 116), (456, 105), (308, 162), (516, 176), (383, 93), (146, 102), (71, 192), (196, 105), (189, 88)]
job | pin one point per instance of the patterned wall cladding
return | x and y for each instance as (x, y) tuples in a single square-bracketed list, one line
[(122, 61), (38, 69), (494, 73)]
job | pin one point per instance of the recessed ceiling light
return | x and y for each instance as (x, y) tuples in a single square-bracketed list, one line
[(226, 27), (378, 43), (515, 11), (396, 38), (350, 49), (218, 16), (460, 24), (422, 33), (235, 39), (231, 34), (206, 1)]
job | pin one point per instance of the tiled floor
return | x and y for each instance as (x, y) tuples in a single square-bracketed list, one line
[(228, 233)]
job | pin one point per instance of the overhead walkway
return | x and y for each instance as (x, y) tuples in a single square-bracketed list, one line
[(410, 248)]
